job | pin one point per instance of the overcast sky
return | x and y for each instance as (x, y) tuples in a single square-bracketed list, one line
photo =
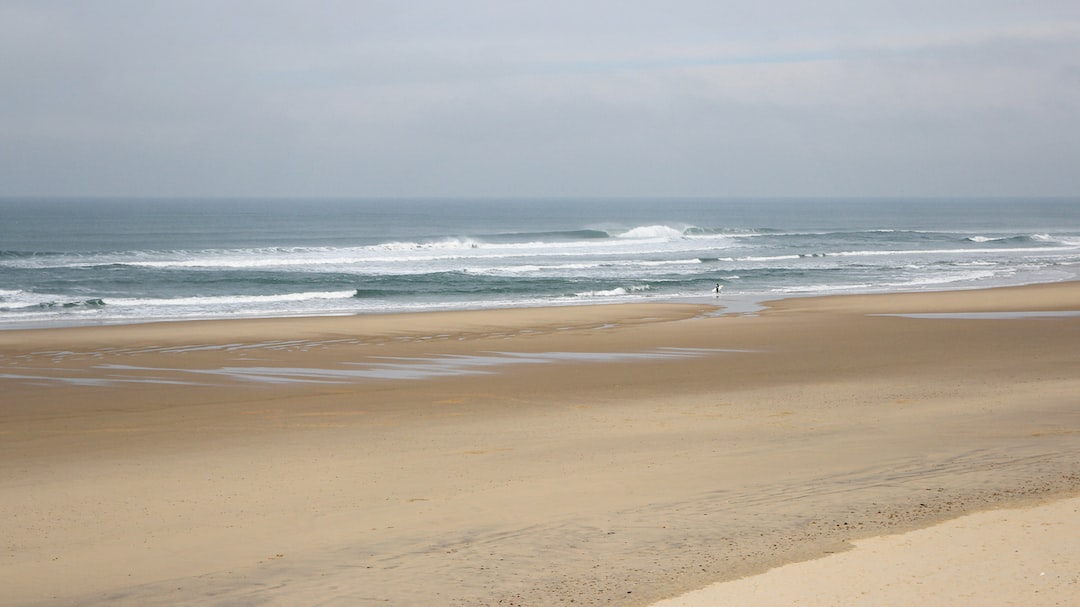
[(547, 98)]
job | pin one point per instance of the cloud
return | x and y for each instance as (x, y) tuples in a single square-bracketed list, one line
[(554, 98)]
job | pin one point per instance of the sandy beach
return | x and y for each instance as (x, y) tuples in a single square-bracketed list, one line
[(600, 455), (1022, 556)]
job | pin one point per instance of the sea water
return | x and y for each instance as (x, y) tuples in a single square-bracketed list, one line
[(67, 262)]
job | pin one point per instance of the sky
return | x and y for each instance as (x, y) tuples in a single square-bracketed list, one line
[(554, 98)]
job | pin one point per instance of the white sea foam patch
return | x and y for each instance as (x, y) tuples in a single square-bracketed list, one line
[(760, 258), (652, 232), (227, 300), (924, 252), (446, 243), (19, 298), (1032, 237), (26, 301), (824, 288), (401, 257), (964, 276), (667, 262), (616, 267), (252, 261), (613, 292)]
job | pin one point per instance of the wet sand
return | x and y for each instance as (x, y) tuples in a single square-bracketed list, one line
[(612, 455)]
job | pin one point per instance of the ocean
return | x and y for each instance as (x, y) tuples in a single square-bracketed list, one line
[(70, 262)]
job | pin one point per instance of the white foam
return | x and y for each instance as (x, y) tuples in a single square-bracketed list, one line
[(661, 232), (224, 300), (613, 292)]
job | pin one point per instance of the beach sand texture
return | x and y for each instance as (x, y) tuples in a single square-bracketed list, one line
[(602, 455), (1001, 557)]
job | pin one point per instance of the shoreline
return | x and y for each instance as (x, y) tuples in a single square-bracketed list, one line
[(614, 454), (932, 302), (726, 303)]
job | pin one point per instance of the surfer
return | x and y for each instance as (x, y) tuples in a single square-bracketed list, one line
[(718, 288)]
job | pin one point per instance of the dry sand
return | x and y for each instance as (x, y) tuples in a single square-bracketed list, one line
[(1000, 557), (613, 455)]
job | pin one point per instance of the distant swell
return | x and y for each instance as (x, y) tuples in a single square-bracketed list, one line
[(563, 235), (27, 254)]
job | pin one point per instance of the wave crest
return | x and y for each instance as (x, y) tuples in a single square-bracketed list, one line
[(1040, 238), (613, 292), (445, 244), (652, 232)]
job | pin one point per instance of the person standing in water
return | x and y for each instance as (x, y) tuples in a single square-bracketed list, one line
[(718, 288)]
